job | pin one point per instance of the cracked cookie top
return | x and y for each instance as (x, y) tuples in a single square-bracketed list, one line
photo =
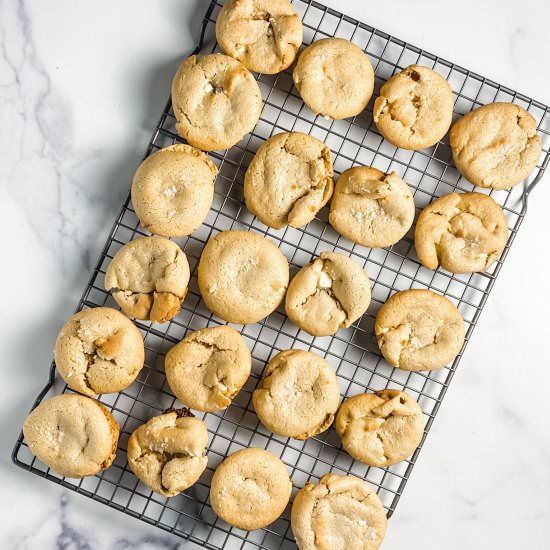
[(334, 78), (340, 513), (74, 435), (172, 190), (216, 101), (298, 395), (381, 428), (264, 35), (250, 489), (168, 452), (329, 293), (289, 180), (418, 329), (496, 145), (99, 351), (415, 108), (148, 278), (371, 208), (462, 232), (242, 276), (207, 369)]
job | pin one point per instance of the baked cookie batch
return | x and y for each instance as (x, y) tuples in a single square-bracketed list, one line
[(243, 277)]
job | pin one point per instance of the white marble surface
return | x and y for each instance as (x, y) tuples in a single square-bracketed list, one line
[(81, 87)]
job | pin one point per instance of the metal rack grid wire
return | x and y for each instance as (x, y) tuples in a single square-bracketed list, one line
[(352, 352)]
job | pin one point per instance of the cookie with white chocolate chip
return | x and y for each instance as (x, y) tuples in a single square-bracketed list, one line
[(462, 232), (381, 428), (264, 35), (148, 278), (371, 208), (216, 101), (298, 395), (418, 330), (329, 293), (242, 276), (250, 489), (415, 108), (168, 452), (289, 180), (76, 436), (496, 145), (172, 190), (339, 512), (334, 77), (99, 351), (208, 368)]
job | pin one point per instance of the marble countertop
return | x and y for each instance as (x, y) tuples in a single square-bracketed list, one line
[(81, 87)]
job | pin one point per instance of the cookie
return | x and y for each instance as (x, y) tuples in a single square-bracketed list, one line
[(462, 232), (496, 145), (216, 101), (415, 108), (381, 428), (334, 77), (341, 512), (298, 395), (242, 276), (207, 369), (148, 278), (371, 208), (168, 452), (72, 434), (329, 293), (250, 489), (264, 35), (418, 329), (289, 180), (172, 190), (98, 351)]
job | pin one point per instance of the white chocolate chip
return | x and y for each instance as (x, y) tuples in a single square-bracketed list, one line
[(325, 280), (170, 191)]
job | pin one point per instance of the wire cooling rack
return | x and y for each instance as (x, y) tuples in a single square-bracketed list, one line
[(352, 352)]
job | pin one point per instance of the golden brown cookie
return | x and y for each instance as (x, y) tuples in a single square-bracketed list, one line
[(74, 435), (242, 276), (207, 369), (496, 145), (172, 190), (371, 208), (250, 489), (341, 512), (462, 232), (298, 395), (168, 452), (329, 293), (216, 101), (98, 351), (415, 108), (419, 330), (289, 180), (334, 77), (264, 35), (148, 278), (381, 428)]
